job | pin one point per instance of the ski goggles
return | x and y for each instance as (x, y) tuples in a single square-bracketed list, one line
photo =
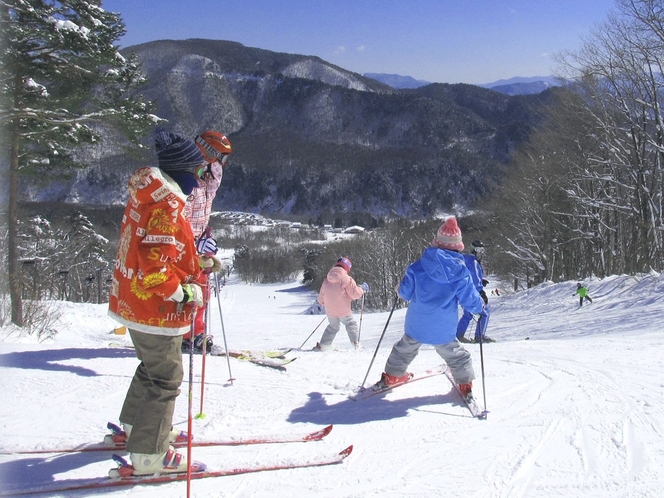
[(221, 157)]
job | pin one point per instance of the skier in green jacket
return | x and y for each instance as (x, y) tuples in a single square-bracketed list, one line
[(582, 293)]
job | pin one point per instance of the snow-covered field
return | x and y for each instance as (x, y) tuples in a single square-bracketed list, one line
[(575, 400)]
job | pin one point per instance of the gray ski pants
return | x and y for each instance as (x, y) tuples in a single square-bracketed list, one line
[(150, 400), (454, 354), (334, 326)]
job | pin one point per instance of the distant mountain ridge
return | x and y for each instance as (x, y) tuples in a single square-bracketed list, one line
[(523, 86), (313, 139), (550, 80), (397, 81), (512, 86)]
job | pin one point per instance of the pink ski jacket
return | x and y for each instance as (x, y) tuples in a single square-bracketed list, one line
[(337, 292)]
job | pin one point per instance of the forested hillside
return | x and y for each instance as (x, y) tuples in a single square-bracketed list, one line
[(313, 139)]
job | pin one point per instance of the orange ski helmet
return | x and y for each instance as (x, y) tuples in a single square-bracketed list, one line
[(214, 146)]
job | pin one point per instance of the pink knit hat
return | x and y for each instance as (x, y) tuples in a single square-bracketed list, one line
[(449, 236)]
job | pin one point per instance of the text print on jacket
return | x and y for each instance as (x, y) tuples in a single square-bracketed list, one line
[(156, 254)]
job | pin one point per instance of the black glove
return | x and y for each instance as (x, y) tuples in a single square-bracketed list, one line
[(485, 282), (483, 296)]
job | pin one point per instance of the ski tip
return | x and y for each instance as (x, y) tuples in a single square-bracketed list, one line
[(344, 453), (318, 435)]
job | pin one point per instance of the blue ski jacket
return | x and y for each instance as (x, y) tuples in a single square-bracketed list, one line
[(475, 269), (436, 285)]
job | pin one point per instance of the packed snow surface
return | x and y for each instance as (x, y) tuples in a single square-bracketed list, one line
[(574, 395)]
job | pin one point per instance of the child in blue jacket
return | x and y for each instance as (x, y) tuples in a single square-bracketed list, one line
[(435, 285)]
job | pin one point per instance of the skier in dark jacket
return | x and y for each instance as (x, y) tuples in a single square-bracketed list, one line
[(473, 262)]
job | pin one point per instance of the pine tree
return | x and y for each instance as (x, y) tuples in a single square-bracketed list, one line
[(62, 78)]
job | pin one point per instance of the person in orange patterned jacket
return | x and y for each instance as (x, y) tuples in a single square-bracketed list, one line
[(153, 293), (215, 148)]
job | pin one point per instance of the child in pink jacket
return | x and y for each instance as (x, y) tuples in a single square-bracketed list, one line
[(336, 294)]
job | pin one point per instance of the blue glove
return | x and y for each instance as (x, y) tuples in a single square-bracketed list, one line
[(206, 246), (365, 287)]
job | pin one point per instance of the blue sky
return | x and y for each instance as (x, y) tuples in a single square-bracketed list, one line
[(447, 41)]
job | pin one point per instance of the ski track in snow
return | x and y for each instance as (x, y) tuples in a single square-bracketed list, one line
[(576, 410)]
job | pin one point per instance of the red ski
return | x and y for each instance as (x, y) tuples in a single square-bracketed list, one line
[(469, 400), (113, 482), (120, 446), (367, 392)]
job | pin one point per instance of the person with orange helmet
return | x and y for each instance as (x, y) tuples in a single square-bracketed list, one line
[(215, 148)]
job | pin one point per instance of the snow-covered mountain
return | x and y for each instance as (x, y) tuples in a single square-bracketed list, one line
[(298, 124), (575, 399)]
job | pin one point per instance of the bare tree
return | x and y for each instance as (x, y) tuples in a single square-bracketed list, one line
[(585, 197)]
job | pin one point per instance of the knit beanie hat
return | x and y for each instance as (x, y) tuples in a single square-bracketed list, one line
[(176, 153), (344, 263), (449, 236)]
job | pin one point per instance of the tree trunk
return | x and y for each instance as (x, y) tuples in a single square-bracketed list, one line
[(12, 238)]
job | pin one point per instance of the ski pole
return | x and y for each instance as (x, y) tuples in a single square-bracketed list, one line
[(312, 332), (396, 298), (359, 331), (223, 330), (205, 339), (191, 398), (479, 321)]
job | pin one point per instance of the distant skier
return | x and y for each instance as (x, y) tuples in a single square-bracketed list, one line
[(435, 285), (582, 292), (336, 294), (473, 262)]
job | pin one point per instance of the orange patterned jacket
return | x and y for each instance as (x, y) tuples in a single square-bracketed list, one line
[(156, 254)]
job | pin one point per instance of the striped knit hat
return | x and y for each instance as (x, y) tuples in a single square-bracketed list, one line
[(176, 153), (449, 236)]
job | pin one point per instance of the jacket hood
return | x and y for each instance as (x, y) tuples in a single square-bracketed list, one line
[(442, 265), (149, 185), (336, 274)]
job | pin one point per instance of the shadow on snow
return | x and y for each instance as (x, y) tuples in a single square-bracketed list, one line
[(48, 359), (317, 410)]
